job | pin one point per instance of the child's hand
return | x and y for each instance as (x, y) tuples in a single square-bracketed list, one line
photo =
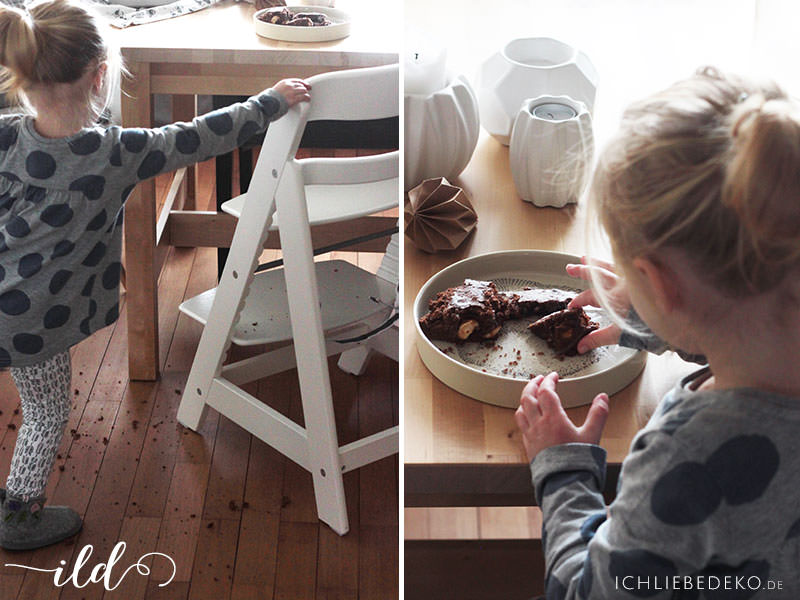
[(609, 335), (294, 90), (543, 422)]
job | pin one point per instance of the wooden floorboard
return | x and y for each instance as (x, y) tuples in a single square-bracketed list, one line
[(238, 519)]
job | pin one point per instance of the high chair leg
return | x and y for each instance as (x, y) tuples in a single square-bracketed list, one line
[(228, 303), (312, 360), (355, 360)]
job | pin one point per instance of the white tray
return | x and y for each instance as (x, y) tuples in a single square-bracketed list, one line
[(339, 27), (460, 366)]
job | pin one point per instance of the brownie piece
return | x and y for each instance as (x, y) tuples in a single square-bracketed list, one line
[(317, 19), (537, 302), (280, 15), (563, 330), (473, 311), (277, 15), (300, 22)]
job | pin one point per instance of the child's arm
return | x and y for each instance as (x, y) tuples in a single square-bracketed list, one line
[(145, 153), (643, 339), (649, 341), (594, 553)]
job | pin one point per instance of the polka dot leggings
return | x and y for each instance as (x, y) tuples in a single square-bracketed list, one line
[(44, 389)]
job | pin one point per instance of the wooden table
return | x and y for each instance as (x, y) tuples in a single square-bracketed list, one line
[(215, 51)]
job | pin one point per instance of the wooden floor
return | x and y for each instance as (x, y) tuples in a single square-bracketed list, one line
[(238, 519)]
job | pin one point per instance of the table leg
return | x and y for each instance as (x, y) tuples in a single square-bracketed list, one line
[(140, 241), (223, 172), (184, 108)]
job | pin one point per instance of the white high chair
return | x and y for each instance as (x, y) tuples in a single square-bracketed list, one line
[(325, 307)]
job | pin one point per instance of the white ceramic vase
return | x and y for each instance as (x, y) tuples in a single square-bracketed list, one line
[(526, 68), (552, 147), (441, 131)]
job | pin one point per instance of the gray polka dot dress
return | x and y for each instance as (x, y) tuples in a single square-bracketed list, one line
[(709, 497), (61, 209)]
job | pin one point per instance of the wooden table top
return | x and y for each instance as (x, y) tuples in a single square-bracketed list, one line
[(224, 33)]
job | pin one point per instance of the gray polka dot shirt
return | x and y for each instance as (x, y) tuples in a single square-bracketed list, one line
[(61, 208), (708, 503)]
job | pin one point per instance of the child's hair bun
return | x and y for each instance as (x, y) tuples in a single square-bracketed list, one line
[(54, 41), (762, 183), (18, 47)]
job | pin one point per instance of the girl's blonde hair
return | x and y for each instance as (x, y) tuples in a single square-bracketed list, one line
[(710, 166), (52, 42)]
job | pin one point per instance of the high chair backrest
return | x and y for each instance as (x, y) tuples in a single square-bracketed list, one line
[(357, 94)]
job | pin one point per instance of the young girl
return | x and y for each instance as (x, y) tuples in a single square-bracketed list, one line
[(63, 183), (700, 196)]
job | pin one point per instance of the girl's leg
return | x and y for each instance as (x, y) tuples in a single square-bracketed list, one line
[(25, 523), (44, 390)]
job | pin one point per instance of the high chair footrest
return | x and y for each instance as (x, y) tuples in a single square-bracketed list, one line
[(333, 203), (348, 295)]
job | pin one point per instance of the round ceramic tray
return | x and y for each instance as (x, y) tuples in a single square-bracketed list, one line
[(339, 27), (496, 373)]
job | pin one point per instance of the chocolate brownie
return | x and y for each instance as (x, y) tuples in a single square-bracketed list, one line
[(317, 19), (563, 330), (277, 15), (280, 15), (537, 302), (473, 311)]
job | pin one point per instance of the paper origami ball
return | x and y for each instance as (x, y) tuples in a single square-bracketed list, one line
[(438, 216)]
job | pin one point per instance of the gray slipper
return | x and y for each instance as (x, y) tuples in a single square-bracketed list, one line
[(26, 525)]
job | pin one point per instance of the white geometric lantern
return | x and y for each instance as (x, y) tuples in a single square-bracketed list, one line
[(441, 131), (526, 68), (552, 147)]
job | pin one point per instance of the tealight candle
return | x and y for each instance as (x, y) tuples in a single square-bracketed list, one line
[(425, 71), (553, 111)]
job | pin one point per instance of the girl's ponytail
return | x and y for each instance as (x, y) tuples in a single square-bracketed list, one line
[(18, 49), (762, 186), (54, 42), (710, 166)]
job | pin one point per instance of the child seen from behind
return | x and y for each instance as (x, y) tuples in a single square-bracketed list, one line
[(699, 194), (63, 184)]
